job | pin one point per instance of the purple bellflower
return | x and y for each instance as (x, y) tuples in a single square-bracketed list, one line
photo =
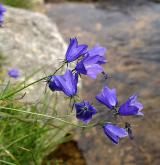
[(54, 84), (89, 66), (85, 111), (66, 83), (2, 11), (108, 97), (74, 50), (114, 133), (14, 73), (98, 51), (131, 107)]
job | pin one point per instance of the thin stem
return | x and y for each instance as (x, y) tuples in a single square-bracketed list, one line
[(32, 83), (3, 161), (47, 116)]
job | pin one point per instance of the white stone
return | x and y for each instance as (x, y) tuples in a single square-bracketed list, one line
[(30, 41)]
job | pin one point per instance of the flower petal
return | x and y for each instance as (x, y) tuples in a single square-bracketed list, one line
[(85, 111), (74, 50), (114, 133), (100, 51), (66, 83), (108, 97), (131, 107), (2, 11), (93, 70), (14, 73)]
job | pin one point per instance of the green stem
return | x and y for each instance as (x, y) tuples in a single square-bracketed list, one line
[(3, 161), (32, 83), (47, 116)]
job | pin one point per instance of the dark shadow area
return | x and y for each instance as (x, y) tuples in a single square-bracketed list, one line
[(67, 153)]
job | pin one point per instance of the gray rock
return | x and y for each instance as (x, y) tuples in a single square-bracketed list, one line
[(30, 41)]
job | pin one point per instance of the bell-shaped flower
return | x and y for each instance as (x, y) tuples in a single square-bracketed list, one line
[(66, 83), (14, 73), (85, 111), (114, 133), (74, 50), (54, 84), (131, 107), (108, 97), (89, 66), (2, 11), (99, 51)]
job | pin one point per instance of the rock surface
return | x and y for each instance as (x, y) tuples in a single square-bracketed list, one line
[(30, 41), (132, 39)]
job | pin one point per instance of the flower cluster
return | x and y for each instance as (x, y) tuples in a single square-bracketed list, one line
[(89, 63), (2, 11), (131, 107)]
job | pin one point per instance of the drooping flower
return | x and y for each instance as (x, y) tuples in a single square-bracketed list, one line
[(85, 111), (89, 66), (108, 97), (74, 50), (114, 133), (2, 11), (54, 84), (14, 73), (131, 107), (99, 51), (66, 83)]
